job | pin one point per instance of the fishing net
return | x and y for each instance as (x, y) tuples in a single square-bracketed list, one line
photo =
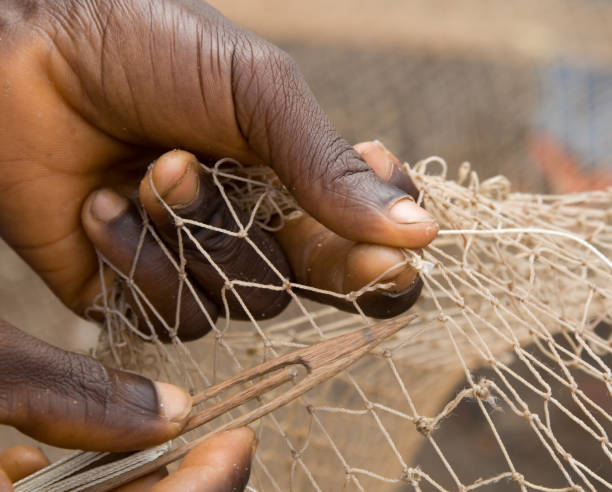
[(512, 333)]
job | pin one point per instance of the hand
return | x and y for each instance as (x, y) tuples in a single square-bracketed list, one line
[(221, 464), (91, 91), (90, 94)]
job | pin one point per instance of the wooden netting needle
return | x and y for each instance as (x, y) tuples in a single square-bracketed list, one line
[(322, 361)]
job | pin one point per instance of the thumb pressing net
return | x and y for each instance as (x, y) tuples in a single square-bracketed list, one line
[(502, 382)]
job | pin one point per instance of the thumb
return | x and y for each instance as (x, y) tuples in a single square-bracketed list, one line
[(73, 401), (283, 123)]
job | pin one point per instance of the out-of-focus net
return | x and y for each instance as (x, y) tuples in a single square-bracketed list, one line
[(513, 332)]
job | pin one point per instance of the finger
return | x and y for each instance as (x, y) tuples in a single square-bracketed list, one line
[(320, 258), (281, 120), (5, 482), (388, 168), (114, 226), (176, 178), (221, 464), (323, 259), (20, 461), (144, 484), (72, 401)]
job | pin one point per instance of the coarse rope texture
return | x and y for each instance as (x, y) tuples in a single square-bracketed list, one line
[(514, 320)]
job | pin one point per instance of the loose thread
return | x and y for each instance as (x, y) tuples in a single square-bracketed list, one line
[(528, 230)]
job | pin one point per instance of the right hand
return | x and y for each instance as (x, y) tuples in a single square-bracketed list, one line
[(91, 91)]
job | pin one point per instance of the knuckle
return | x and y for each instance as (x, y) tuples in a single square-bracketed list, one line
[(343, 167), (86, 379)]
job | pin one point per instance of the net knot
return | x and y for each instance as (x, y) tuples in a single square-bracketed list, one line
[(352, 296), (421, 265), (425, 425), (532, 417), (179, 222), (411, 475), (481, 392)]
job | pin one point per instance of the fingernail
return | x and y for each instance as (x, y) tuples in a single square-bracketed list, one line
[(176, 178), (174, 402), (406, 211), (107, 205)]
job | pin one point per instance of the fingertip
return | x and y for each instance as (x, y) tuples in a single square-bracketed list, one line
[(174, 177), (366, 263), (20, 461), (5, 482), (415, 226), (221, 463), (174, 402), (102, 211), (406, 211), (104, 205), (429, 232)]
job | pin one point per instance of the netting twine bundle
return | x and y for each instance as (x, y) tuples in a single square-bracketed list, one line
[(514, 319)]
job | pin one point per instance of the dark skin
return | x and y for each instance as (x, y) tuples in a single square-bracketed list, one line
[(90, 94)]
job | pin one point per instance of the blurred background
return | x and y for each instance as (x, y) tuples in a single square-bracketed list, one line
[(519, 88)]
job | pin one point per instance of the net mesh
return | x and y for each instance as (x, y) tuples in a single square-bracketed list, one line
[(513, 336)]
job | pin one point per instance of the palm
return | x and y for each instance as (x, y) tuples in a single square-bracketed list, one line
[(66, 147)]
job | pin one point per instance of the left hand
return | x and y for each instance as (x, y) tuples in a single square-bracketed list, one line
[(219, 464)]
